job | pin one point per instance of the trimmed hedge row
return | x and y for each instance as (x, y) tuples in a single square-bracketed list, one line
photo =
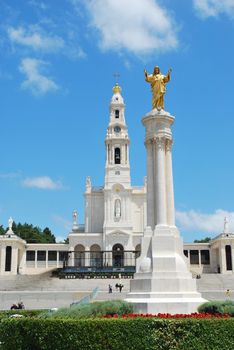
[(218, 307), (117, 334)]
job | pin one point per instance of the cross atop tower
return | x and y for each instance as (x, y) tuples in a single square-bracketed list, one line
[(116, 75)]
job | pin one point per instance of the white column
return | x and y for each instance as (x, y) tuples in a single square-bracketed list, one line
[(35, 259), (46, 259), (3, 258), (22, 264), (160, 182), (87, 256), (71, 260), (14, 260), (150, 185), (222, 259), (122, 155), (169, 185), (57, 259), (189, 258), (199, 258), (232, 252)]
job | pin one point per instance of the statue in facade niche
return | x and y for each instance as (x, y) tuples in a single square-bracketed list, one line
[(117, 209), (158, 86)]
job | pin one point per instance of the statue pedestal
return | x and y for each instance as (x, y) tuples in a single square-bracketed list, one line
[(162, 283)]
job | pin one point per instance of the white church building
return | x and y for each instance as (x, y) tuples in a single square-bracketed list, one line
[(115, 219)]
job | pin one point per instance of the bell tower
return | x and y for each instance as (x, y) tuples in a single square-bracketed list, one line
[(117, 143), (117, 225)]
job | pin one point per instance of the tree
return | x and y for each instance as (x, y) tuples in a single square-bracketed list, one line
[(204, 240), (2, 230), (31, 234)]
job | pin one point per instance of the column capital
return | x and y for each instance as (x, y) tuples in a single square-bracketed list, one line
[(168, 144), (148, 142), (160, 142)]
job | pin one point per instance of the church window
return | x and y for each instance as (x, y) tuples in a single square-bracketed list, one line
[(52, 255), (194, 257), (117, 209), (117, 172), (117, 155), (8, 258), (116, 113), (228, 252), (205, 257), (41, 255), (30, 255)]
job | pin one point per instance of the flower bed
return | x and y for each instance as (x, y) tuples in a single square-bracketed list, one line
[(193, 315)]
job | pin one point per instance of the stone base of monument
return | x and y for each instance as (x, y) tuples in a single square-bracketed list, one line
[(162, 283)]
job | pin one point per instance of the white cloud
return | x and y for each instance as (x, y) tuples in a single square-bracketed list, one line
[(34, 38), (35, 81), (43, 182), (140, 27), (212, 8), (196, 221)]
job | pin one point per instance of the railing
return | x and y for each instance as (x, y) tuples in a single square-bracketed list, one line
[(88, 298)]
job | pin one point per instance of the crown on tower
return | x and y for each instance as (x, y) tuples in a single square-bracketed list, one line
[(116, 89)]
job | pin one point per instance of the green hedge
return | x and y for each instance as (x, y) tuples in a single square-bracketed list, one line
[(117, 334), (218, 307)]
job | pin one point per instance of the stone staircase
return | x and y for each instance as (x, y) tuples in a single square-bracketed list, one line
[(44, 291)]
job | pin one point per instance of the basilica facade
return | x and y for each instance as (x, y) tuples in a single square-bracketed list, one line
[(115, 220)]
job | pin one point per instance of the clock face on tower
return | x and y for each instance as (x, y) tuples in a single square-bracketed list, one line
[(117, 129)]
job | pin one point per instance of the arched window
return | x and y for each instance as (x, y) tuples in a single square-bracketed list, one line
[(95, 256), (117, 155), (79, 255), (117, 113)]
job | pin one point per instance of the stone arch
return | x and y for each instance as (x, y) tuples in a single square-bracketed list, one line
[(117, 155), (95, 255), (79, 255), (118, 255)]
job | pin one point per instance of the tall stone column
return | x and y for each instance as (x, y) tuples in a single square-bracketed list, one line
[(169, 185), (150, 185), (160, 183), (162, 282)]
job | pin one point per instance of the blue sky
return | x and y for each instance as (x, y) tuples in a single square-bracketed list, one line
[(58, 58)]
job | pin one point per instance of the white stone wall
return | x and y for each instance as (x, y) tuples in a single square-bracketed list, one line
[(94, 211)]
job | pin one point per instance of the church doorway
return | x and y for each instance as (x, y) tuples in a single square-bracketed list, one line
[(118, 255), (95, 256)]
